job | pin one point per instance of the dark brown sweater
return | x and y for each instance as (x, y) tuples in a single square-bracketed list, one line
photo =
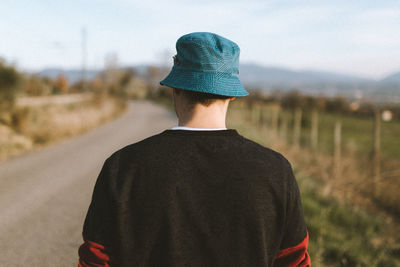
[(196, 198)]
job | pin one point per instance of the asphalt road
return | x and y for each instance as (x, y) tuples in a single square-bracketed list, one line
[(44, 194)]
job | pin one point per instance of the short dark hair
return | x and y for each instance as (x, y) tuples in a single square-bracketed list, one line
[(205, 99)]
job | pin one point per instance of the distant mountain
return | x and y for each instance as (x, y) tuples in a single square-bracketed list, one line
[(72, 75), (252, 73), (308, 81), (393, 78), (269, 78)]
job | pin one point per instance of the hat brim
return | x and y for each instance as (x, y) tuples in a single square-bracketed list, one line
[(205, 82)]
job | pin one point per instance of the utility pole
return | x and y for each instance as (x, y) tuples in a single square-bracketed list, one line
[(297, 127), (337, 154), (84, 58), (314, 129)]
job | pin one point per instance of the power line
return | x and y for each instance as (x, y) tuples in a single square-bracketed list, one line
[(84, 58)]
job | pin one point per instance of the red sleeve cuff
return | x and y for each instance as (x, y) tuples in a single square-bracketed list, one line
[(92, 254), (296, 256)]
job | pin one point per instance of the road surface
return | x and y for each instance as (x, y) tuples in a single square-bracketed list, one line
[(44, 194)]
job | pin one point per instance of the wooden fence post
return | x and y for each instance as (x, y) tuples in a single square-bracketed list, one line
[(337, 154), (377, 152), (254, 114), (297, 127), (274, 121), (261, 115), (314, 129), (283, 129)]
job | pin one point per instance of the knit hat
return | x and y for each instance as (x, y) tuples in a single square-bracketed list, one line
[(208, 63)]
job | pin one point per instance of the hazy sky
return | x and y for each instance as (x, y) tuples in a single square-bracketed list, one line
[(355, 37)]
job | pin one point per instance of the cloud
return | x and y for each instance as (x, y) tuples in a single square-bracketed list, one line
[(377, 28)]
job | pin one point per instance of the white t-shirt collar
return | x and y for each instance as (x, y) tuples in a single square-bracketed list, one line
[(196, 129)]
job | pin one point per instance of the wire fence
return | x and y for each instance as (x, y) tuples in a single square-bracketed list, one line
[(345, 151)]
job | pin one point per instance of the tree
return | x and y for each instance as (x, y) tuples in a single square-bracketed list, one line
[(294, 100), (35, 85), (60, 84), (9, 81), (152, 78), (338, 104)]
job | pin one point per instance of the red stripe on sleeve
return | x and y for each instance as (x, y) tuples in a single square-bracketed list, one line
[(296, 256), (92, 254)]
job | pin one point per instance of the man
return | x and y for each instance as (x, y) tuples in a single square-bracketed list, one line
[(198, 194)]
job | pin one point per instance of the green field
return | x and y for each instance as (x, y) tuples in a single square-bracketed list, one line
[(357, 132)]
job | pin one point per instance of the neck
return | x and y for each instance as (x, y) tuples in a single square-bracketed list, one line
[(201, 116)]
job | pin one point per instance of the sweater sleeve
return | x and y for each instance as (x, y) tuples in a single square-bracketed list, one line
[(293, 248), (97, 229)]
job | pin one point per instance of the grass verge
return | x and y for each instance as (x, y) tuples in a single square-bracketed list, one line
[(32, 127)]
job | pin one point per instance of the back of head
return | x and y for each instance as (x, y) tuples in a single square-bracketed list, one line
[(193, 98)]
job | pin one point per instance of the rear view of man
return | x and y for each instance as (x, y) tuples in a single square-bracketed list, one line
[(198, 194)]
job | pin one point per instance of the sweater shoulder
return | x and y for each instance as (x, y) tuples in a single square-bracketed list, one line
[(161, 145), (138, 148), (266, 153)]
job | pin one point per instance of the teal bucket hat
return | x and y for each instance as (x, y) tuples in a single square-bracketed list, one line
[(208, 63)]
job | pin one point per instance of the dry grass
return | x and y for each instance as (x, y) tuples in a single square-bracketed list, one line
[(36, 126), (38, 101), (12, 143)]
